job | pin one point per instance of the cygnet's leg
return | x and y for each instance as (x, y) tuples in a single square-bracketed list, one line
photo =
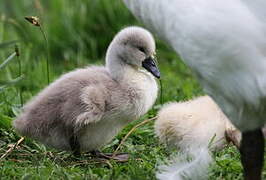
[(252, 151), (234, 136), (121, 157), (74, 144)]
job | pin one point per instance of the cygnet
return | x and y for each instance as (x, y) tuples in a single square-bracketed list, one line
[(84, 109), (194, 128), (194, 123)]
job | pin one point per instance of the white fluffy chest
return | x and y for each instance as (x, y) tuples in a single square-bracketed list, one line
[(146, 88)]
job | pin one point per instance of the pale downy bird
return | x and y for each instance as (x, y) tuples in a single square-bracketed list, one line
[(84, 109), (195, 128), (224, 43)]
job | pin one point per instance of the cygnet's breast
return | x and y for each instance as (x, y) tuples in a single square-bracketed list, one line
[(146, 89)]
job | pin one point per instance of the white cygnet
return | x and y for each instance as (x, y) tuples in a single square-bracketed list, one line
[(195, 123), (84, 109), (194, 128)]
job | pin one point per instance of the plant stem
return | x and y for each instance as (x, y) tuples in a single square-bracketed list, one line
[(161, 91), (48, 55), (19, 73), (130, 132)]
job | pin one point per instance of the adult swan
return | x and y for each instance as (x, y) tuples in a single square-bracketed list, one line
[(224, 43)]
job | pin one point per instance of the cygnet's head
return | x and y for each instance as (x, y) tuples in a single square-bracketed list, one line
[(133, 46)]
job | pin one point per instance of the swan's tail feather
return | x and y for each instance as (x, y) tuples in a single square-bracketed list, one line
[(187, 165)]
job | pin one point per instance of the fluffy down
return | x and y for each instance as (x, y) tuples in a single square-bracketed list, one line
[(194, 127)]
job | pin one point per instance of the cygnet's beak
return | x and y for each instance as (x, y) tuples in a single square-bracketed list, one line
[(150, 65)]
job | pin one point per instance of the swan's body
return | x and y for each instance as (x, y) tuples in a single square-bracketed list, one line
[(224, 43), (88, 107)]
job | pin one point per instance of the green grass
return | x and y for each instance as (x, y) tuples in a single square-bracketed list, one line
[(78, 35)]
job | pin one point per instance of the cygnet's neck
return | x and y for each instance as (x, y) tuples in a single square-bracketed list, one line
[(117, 67)]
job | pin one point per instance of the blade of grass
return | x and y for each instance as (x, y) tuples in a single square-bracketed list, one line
[(47, 51), (11, 82), (128, 134), (6, 44), (161, 91), (7, 60)]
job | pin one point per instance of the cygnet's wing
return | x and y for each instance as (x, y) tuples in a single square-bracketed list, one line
[(65, 104), (87, 98), (94, 98)]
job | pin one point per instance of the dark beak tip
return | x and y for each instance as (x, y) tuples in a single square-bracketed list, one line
[(150, 66), (157, 75)]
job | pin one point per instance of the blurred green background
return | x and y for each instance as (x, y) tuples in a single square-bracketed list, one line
[(78, 34)]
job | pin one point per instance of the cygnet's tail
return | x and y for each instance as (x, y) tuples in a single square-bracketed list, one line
[(191, 164)]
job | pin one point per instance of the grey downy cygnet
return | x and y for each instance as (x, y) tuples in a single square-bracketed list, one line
[(84, 109)]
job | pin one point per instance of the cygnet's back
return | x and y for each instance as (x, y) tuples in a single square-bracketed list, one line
[(87, 107), (191, 124)]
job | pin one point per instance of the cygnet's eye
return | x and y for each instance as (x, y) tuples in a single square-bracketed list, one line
[(141, 49)]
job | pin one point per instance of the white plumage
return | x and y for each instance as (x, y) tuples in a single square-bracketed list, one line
[(189, 164), (224, 43), (194, 127), (192, 124)]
